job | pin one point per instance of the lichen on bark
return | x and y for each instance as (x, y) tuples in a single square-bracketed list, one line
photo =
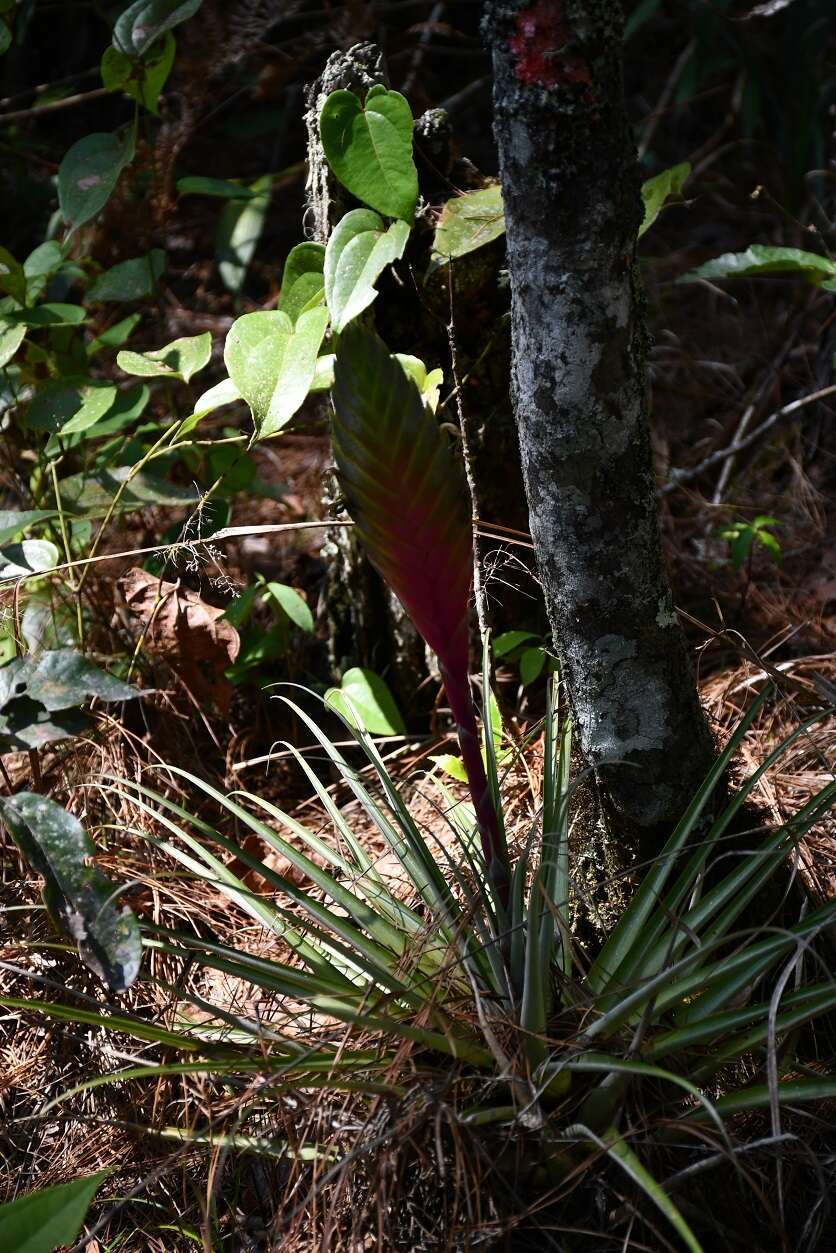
[(571, 190)]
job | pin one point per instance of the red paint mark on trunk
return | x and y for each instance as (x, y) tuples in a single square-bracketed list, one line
[(542, 33)]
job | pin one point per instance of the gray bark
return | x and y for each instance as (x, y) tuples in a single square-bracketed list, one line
[(570, 186)]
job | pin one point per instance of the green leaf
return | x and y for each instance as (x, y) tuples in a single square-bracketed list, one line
[(467, 222), (370, 150), (142, 23), (11, 337), (31, 556), (141, 80), (323, 379), (239, 231), (39, 1221), (59, 680), (223, 188), (5, 37), (454, 766), (272, 363), (532, 661), (129, 280), (88, 175), (12, 277), (80, 404), (223, 393), (115, 336), (52, 314), (78, 896), (364, 699), (126, 408), (428, 383), (303, 283), (655, 191), (12, 521), (91, 494), (507, 641), (180, 359), (357, 254), (762, 259), (293, 605)]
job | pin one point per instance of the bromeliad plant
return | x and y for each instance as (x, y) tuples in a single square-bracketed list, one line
[(472, 966)]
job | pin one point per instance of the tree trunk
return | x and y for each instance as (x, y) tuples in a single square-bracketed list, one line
[(571, 190)]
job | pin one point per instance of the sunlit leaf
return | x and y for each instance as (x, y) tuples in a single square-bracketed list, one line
[(180, 359), (357, 254), (365, 697), (272, 363), (303, 283), (239, 231), (370, 149), (40, 1221), (467, 222), (655, 191)]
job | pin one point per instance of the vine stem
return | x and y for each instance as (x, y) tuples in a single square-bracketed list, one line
[(478, 585)]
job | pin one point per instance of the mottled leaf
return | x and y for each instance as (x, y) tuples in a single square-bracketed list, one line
[(88, 175), (78, 896), (467, 222), (142, 80)]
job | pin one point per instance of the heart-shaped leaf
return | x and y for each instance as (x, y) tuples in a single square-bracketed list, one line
[(180, 359), (142, 23), (89, 173), (427, 382), (357, 254), (78, 896), (370, 150), (272, 363), (129, 280), (39, 1221), (364, 698), (303, 284)]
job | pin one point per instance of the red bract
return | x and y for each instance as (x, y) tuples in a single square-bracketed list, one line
[(408, 498)]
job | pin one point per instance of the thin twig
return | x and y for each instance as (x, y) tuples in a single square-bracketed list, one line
[(478, 589), (678, 477), (83, 97)]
